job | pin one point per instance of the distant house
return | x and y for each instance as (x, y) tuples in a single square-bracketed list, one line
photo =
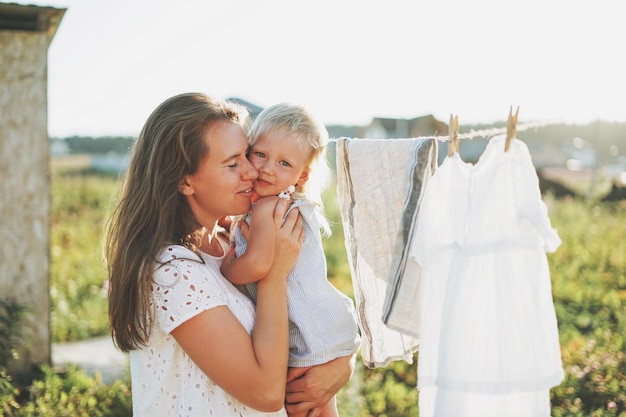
[(386, 128), (581, 154), (25, 35), (547, 154)]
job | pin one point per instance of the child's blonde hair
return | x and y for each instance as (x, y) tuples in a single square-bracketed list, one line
[(297, 121)]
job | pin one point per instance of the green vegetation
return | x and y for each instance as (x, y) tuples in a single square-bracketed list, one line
[(78, 275), (71, 394), (12, 314), (589, 288)]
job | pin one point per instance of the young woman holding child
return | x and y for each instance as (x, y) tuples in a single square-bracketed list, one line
[(197, 345)]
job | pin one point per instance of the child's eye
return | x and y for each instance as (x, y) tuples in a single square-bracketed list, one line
[(260, 154), (285, 163)]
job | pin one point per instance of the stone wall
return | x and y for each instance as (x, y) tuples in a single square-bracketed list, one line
[(25, 187)]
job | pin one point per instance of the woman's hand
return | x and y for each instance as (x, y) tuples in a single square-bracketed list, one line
[(308, 389), (288, 238)]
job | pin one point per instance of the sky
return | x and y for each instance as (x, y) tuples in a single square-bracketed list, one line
[(112, 62)]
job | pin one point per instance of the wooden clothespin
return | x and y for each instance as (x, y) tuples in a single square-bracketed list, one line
[(511, 127), (453, 135)]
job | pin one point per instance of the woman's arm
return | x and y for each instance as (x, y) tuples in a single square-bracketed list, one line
[(252, 368), (256, 261), (311, 388)]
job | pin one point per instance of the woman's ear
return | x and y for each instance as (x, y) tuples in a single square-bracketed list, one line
[(184, 187), (303, 178)]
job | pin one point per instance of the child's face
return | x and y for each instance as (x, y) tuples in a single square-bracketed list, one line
[(280, 160)]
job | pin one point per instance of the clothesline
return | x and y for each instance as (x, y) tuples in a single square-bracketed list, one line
[(485, 133)]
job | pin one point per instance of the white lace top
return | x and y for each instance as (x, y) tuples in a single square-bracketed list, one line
[(165, 381)]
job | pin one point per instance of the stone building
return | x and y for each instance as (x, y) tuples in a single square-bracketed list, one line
[(25, 35)]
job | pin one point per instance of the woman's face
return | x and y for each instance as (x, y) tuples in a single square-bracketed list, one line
[(223, 184)]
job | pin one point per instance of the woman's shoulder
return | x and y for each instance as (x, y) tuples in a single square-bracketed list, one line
[(171, 253), (173, 262)]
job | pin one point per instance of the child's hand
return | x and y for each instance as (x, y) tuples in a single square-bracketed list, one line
[(225, 222), (229, 257), (245, 229)]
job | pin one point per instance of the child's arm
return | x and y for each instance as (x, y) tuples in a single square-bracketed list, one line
[(255, 262)]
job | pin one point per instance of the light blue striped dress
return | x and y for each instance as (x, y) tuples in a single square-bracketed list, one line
[(322, 320)]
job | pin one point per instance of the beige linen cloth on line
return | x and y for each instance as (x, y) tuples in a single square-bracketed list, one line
[(379, 186)]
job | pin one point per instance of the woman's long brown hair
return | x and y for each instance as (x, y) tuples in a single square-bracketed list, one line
[(150, 212)]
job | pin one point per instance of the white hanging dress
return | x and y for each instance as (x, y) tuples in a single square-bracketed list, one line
[(489, 341)]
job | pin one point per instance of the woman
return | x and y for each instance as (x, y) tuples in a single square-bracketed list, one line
[(196, 343)]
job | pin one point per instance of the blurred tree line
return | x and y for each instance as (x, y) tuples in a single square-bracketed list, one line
[(607, 139), (97, 145)]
